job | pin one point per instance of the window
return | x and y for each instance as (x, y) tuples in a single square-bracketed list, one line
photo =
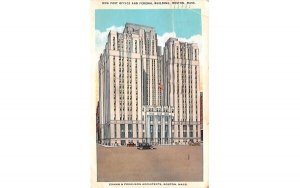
[(114, 43), (152, 47), (122, 130), (130, 132), (151, 132), (166, 131), (137, 130), (129, 46), (115, 130), (142, 47), (159, 131), (191, 131), (135, 46)]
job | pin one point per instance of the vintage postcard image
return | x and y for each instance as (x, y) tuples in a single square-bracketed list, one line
[(151, 93)]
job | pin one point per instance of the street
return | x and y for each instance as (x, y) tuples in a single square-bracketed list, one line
[(166, 163)]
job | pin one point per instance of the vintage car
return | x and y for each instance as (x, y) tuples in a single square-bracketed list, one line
[(191, 143), (145, 146), (131, 144), (197, 143)]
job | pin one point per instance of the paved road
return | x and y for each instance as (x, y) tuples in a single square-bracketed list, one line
[(166, 163)]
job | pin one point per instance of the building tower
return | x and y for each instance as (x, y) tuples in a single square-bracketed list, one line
[(182, 88), (137, 93)]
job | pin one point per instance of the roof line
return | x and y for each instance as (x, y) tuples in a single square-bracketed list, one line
[(127, 23)]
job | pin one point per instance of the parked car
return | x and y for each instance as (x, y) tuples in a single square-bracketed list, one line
[(145, 146), (131, 144), (191, 143)]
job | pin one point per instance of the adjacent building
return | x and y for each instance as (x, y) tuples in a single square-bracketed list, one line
[(98, 129), (146, 93)]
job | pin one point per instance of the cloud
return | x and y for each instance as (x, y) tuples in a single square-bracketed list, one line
[(193, 39), (162, 39), (101, 37)]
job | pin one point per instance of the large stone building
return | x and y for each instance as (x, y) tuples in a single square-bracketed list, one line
[(147, 96)]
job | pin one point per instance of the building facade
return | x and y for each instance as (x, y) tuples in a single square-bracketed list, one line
[(146, 95)]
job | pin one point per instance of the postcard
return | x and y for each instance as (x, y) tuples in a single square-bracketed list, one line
[(150, 71)]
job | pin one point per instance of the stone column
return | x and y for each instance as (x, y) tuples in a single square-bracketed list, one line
[(175, 133), (143, 131), (112, 131), (170, 132), (134, 131), (156, 131), (126, 132), (140, 132), (187, 132), (181, 133), (147, 128), (112, 134), (194, 132), (163, 130), (118, 134)]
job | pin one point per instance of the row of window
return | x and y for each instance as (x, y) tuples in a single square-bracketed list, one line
[(130, 131), (122, 89), (185, 131), (183, 53), (147, 47), (159, 118), (186, 93), (129, 46), (153, 82), (159, 131), (148, 81), (136, 89)]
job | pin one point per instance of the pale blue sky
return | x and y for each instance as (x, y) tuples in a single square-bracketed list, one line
[(185, 23)]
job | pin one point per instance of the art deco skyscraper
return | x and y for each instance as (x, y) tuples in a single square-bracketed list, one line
[(139, 95)]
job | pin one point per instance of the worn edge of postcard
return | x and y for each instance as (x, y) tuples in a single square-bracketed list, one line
[(204, 86)]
